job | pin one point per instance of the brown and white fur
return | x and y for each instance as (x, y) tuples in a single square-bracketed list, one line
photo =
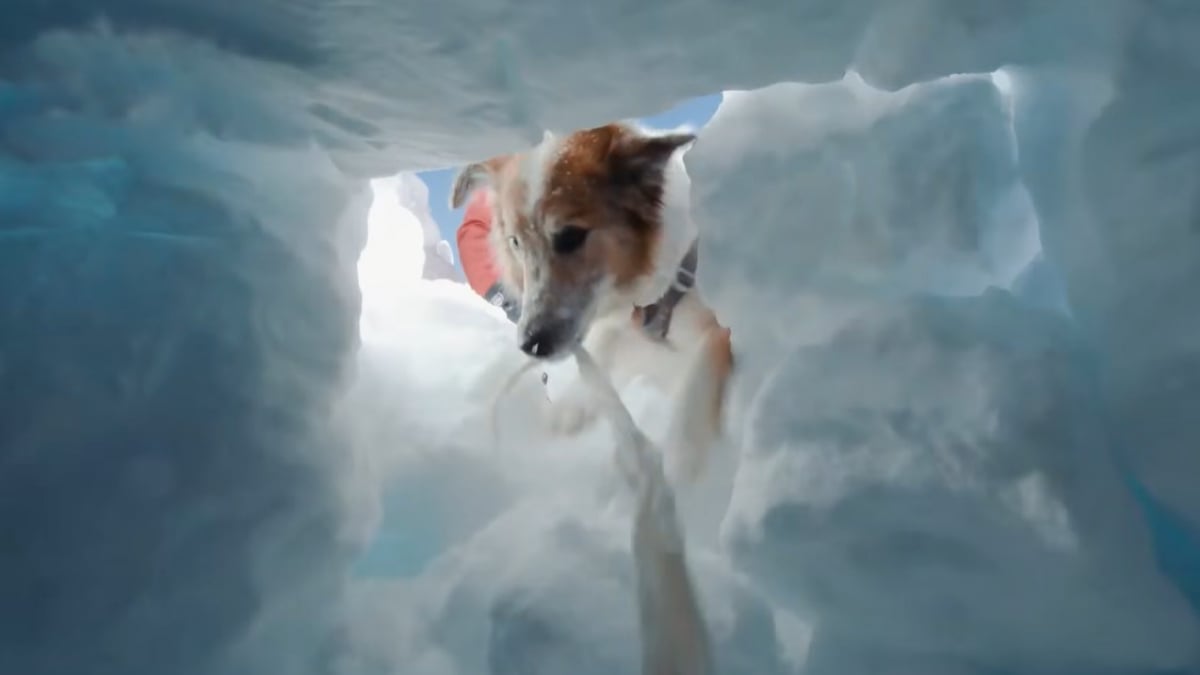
[(588, 228)]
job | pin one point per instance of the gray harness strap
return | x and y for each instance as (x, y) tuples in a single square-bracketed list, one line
[(656, 318)]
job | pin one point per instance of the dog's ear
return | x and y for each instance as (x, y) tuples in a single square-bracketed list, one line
[(470, 178), (636, 158)]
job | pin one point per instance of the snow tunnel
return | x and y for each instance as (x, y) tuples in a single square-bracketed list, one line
[(244, 389)]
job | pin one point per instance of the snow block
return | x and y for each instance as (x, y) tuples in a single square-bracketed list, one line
[(178, 316), (933, 482), (843, 187), (1111, 165), (1138, 296)]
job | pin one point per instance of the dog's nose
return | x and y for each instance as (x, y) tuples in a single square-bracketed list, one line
[(544, 341), (539, 343)]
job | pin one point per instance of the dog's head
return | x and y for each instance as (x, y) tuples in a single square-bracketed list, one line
[(576, 222)]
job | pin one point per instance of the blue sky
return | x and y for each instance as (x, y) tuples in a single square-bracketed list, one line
[(696, 111)]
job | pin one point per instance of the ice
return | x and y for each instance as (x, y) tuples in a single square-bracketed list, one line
[(955, 239)]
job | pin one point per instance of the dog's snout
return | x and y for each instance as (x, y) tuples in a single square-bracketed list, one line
[(538, 344), (544, 341)]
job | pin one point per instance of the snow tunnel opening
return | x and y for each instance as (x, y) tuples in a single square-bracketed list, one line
[(393, 256), (414, 294), (422, 321)]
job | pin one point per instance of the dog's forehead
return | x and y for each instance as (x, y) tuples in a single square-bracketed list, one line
[(575, 173), (558, 179), (536, 167)]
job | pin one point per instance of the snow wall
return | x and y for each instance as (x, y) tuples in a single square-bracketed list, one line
[(964, 300)]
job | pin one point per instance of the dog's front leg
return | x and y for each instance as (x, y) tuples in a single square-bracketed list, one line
[(696, 421)]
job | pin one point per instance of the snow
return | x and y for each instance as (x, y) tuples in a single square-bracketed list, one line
[(907, 191), (971, 517), (960, 280), (413, 196)]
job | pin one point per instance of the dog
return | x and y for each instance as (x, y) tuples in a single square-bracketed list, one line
[(593, 232)]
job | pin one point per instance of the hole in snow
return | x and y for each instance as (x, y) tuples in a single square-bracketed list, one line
[(394, 256), (427, 336)]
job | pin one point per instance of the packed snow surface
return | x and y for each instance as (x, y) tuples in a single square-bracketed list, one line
[(957, 242)]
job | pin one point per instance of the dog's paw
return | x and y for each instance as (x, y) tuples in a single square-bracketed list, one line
[(571, 413)]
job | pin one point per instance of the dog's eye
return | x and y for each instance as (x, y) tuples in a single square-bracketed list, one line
[(512, 241), (569, 239)]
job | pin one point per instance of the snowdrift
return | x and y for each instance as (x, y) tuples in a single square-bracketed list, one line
[(960, 279)]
